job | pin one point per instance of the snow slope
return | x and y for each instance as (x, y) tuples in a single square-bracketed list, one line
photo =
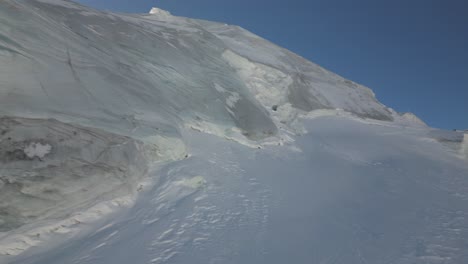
[(151, 138), (355, 193)]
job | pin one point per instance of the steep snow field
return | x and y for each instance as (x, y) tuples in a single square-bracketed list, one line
[(353, 193), (151, 138)]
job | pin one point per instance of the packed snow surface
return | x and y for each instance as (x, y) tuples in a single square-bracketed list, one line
[(353, 193), (152, 138)]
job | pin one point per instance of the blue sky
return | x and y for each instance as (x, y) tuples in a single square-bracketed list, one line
[(413, 54)]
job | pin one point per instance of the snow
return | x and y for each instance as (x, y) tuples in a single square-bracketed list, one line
[(411, 119), (356, 192), (153, 138), (313, 87), (16, 243), (37, 150), (464, 146), (158, 11)]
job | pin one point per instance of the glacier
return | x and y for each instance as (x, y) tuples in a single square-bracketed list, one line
[(153, 138)]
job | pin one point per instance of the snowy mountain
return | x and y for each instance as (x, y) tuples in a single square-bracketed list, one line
[(152, 138)]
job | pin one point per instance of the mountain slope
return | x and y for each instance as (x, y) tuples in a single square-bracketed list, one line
[(151, 138), (80, 62)]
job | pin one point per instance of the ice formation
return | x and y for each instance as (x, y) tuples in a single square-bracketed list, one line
[(152, 138)]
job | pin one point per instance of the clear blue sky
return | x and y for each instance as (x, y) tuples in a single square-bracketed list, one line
[(412, 53)]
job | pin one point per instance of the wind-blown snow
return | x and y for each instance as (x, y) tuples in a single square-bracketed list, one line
[(354, 193), (153, 138)]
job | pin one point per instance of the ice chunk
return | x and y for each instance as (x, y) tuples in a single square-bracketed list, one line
[(158, 11), (37, 149)]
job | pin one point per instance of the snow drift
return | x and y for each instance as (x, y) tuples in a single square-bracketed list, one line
[(240, 151)]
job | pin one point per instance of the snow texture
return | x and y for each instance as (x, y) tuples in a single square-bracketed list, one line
[(152, 138)]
